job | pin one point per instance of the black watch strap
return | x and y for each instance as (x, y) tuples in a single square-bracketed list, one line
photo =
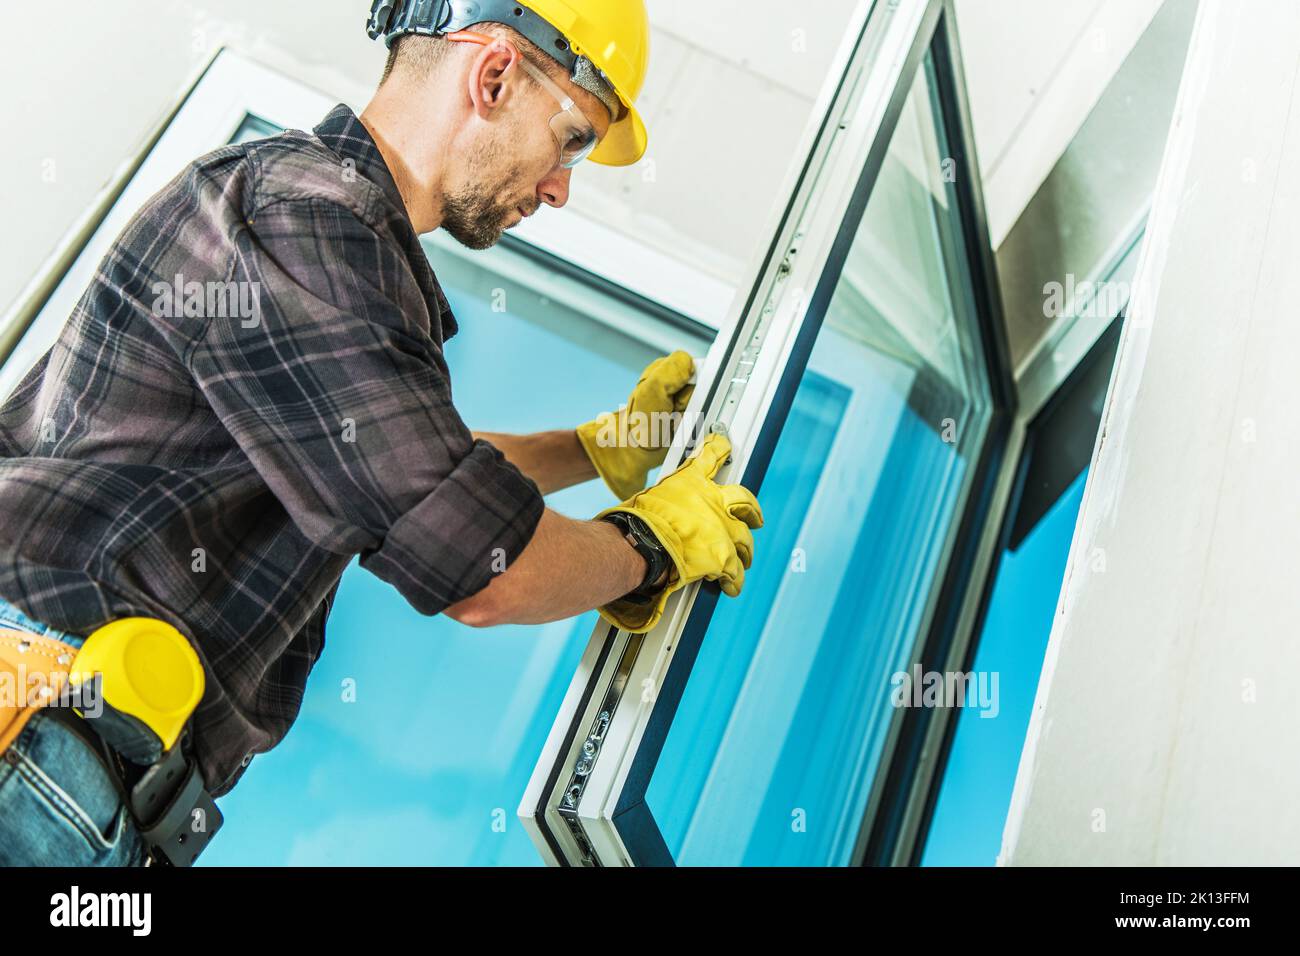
[(657, 559)]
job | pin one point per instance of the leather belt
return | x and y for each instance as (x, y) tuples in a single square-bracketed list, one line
[(33, 672)]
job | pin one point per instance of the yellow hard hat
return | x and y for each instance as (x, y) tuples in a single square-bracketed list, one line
[(615, 36), (611, 36)]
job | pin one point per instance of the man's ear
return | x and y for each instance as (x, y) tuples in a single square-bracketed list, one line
[(487, 76)]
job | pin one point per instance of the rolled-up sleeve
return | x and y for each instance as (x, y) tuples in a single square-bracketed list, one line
[(339, 396)]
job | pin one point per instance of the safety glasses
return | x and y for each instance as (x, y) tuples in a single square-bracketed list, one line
[(575, 135)]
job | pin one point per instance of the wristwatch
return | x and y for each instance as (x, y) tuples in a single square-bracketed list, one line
[(657, 559)]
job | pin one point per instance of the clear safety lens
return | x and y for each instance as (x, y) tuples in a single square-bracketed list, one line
[(576, 136), (576, 140)]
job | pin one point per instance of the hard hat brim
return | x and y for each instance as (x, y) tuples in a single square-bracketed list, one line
[(624, 143)]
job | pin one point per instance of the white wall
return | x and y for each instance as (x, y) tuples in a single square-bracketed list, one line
[(1166, 723), (86, 93)]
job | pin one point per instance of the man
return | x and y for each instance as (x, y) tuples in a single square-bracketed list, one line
[(218, 472)]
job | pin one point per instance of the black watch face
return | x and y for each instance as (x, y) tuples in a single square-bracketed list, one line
[(643, 539)]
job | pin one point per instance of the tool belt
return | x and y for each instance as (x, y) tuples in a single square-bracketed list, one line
[(134, 718)]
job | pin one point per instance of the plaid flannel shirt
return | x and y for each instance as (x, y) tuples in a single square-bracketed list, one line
[(216, 458)]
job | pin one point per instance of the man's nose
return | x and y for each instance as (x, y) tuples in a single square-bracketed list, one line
[(554, 189)]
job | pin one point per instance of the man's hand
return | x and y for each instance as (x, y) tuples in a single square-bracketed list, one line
[(623, 446), (704, 526)]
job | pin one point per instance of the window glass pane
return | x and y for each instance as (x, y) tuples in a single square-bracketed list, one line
[(770, 758), (971, 811)]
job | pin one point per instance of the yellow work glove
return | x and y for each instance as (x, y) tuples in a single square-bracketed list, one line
[(625, 445), (704, 526)]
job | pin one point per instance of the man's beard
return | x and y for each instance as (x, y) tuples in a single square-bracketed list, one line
[(476, 216)]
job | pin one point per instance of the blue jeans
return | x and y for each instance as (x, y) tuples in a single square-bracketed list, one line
[(58, 805)]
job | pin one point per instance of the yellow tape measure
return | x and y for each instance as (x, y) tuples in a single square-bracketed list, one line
[(149, 673)]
